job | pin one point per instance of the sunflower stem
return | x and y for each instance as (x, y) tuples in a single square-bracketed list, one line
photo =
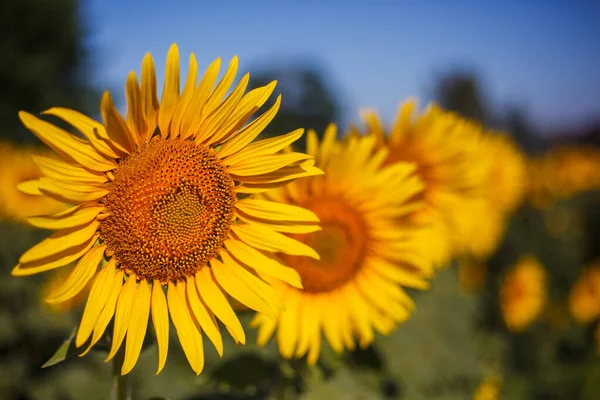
[(121, 383)]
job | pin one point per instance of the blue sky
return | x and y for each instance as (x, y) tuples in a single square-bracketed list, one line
[(541, 54)]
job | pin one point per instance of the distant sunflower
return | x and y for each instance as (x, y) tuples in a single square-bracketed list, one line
[(17, 166), (523, 294), (366, 257), (448, 152), (584, 299), (502, 191), (157, 207), (489, 389)]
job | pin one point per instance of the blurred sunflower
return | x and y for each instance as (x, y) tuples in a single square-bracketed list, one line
[(523, 294), (17, 166), (156, 205), (489, 389), (562, 173), (53, 283), (584, 299), (366, 256), (450, 160)]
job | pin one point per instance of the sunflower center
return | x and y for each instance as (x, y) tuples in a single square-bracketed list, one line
[(341, 243), (170, 208)]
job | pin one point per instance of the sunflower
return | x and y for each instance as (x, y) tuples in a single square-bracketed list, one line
[(563, 172), (502, 192), (17, 166), (366, 256), (523, 294), (158, 198), (489, 389), (584, 299), (448, 153)]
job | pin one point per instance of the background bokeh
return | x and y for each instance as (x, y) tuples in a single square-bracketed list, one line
[(530, 68)]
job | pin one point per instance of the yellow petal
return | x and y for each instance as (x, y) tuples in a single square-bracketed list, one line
[(284, 174), (136, 120), (72, 192), (69, 218), (245, 287), (186, 97), (186, 330), (312, 143), (170, 94), (59, 242), (250, 131), (192, 119), (283, 226), (108, 311), (222, 87), (93, 130), (137, 326), (123, 313), (265, 239), (266, 164), (61, 170), (271, 210), (289, 326), (262, 263), (265, 147), (149, 98), (79, 277), (55, 260), (160, 320), (209, 127), (331, 323), (398, 274), (218, 304), (266, 327), (244, 109), (203, 316), (67, 145), (31, 187), (99, 294), (115, 126)]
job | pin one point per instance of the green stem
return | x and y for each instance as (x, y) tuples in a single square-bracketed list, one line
[(121, 383)]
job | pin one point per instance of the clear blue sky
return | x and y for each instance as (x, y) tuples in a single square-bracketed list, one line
[(542, 54)]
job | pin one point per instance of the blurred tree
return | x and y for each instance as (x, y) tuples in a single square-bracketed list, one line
[(460, 90), (43, 61), (307, 101), (516, 122)]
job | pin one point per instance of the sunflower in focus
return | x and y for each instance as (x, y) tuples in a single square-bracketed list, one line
[(17, 166), (448, 152), (523, 294), (157, 197), (366, 257), (584, 299)]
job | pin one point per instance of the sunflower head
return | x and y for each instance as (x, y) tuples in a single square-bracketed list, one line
[(366, 255), (523, 294), (16, 167), (584, 299), (164, 218), (447, 151)]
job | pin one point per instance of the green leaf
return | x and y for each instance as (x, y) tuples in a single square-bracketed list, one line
[(66, 349)]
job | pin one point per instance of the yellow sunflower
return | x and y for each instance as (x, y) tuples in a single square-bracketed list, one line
[(489, 389), (366, 256), (523, 294), (584, 299), (157, 206), (17, 166), (448, 153), (563, 172)]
